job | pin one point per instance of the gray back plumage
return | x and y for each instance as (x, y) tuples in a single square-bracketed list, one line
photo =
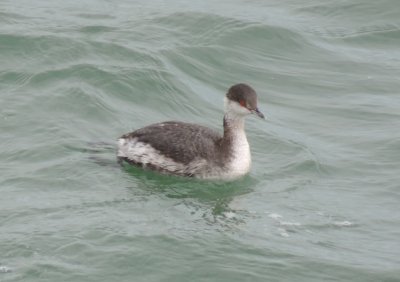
[(182, 142)]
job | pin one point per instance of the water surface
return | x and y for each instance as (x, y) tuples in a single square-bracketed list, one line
[(321, 202)]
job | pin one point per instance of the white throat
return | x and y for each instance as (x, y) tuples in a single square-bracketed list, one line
[(234, 110)]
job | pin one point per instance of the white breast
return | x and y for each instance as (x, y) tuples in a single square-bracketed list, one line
[(241, 159)]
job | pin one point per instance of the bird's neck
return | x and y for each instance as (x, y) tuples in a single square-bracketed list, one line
[(235, 145), (233, 125)]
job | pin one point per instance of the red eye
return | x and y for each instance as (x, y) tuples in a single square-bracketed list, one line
[(242, 103)]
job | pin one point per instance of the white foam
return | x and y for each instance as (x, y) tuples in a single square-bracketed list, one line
[(4, 269), (288, 223), (275, 215), (229, 215), (283, 232), (344, 223)]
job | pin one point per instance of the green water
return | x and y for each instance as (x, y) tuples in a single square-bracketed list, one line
[(322, 201)]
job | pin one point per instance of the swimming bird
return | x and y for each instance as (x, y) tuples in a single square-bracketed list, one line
[(186, 149)]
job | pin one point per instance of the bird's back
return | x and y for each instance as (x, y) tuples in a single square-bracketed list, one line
[(173, 147)]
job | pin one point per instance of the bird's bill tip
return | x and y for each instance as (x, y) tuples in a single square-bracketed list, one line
[(258, 113)]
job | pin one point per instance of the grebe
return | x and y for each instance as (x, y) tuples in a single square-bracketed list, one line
[(192, 150)]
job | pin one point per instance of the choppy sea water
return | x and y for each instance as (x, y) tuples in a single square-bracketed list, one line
[(321, 202)]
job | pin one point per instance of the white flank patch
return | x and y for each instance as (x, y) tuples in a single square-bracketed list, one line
[(145, 154)]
